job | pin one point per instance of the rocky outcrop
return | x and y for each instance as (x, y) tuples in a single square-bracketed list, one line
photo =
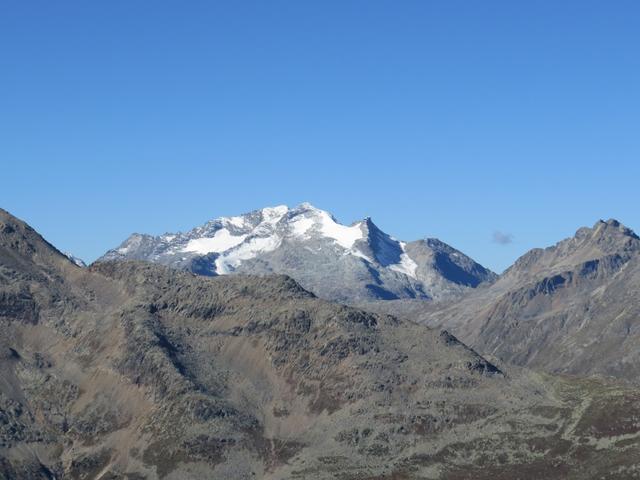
[(571, 308)]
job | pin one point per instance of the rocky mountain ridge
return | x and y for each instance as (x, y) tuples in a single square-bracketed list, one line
[(350, 264), (573, 307)]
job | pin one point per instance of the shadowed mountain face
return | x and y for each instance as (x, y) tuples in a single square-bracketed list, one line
[(351, 264), (573, 307), (133, 370)]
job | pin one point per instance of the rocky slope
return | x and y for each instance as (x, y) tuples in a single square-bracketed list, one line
[(573, 307), (350, 264), (132, 370)]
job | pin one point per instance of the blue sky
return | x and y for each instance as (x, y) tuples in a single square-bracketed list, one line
[(450, 119)]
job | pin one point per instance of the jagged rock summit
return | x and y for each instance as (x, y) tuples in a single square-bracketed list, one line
[(572, 307), (349, 263), (606, 241)]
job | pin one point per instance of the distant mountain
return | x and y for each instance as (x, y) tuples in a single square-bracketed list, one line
[(77, 260), (353, 264), (130, 370), (573, 307)]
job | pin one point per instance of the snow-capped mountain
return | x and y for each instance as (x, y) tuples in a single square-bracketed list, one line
[(349, 263)]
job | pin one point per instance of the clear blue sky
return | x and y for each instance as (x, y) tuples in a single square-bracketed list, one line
[(450, 119)]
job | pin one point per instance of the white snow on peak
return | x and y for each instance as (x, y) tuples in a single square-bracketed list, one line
[(233, 249), (230, 260), (221, 241), (406, 265), (301, 224), (238, 221), (274, 214), (343, 235), (306, 218)]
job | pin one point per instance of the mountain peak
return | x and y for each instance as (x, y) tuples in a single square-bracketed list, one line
[(605, 239), (306, 206), (274, 212), (336, 261), (611, 222), (17, 237), (368, 223), (613, 226)]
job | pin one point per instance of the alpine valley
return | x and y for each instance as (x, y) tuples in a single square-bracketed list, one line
[(228, 352)]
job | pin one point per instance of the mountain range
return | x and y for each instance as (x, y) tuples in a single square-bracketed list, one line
[(569, 308), (135, 370), (350, 264)]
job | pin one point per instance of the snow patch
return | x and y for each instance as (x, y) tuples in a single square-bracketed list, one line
[(238, 222), (222, 240), (230, 260), (406, 265), (343, 235), (274, 214), (301, 225), (358, 253)]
